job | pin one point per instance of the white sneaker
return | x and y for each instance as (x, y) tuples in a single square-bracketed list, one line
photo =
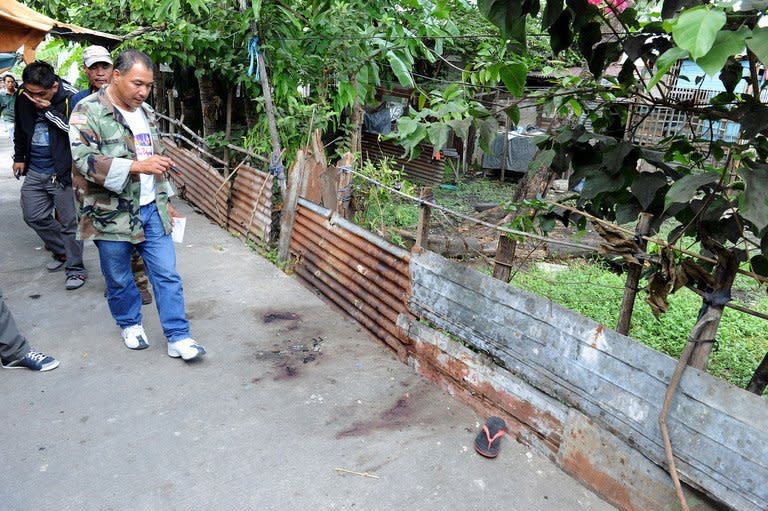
[(135, 338), (187, 349)]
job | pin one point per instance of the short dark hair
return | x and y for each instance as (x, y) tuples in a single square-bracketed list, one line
[(5, 77), (128, 58), (39, 73)]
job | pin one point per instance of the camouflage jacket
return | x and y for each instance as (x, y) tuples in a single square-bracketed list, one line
[(103, 150)]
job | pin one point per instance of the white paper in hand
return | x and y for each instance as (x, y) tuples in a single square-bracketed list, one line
[(179, 224)]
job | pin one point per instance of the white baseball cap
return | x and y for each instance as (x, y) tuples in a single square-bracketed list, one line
[(94, 54)]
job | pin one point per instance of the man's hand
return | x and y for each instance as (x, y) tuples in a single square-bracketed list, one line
[(153, 165), (172, 211), (40, 103), (18, 169)]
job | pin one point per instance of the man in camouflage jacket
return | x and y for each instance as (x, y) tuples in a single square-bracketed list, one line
[(121, 185)]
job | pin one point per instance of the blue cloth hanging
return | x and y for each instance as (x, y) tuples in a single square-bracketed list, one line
[(253, 52)]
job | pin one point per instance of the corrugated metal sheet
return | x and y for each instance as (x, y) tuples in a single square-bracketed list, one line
[(199, 183), (251, 211), (243, 205), (364, 275), (422, 170)]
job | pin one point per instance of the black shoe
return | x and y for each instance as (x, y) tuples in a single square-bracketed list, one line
[(34, 361)]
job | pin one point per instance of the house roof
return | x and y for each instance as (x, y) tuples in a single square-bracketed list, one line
[(22, 26)]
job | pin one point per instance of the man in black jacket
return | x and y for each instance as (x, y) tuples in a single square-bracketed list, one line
[(42, 155)]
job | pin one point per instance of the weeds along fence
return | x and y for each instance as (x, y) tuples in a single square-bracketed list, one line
[(583, 395)]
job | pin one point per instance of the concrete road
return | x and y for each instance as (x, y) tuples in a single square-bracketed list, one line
[(290, 391)]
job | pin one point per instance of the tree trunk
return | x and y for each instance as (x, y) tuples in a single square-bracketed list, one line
[(759, 380), (158, 91), (633, 277), (712, 308), (209, 104)]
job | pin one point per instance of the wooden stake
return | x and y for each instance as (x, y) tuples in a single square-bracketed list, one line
[(288, 213), (505, 255), (759, 380), (422, 231), (228, 127), (171, 111), (504, 150), (633, 277), (344, 189)]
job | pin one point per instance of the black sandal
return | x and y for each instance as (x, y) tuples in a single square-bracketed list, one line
[(486, 443)]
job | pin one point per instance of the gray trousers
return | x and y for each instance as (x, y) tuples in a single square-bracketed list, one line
[(39, 195), (13, 345)]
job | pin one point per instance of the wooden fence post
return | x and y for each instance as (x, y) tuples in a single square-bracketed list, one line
[(425, 211), (505, 255), (344, 188), (759, 380), (288, 213), (725, 274), (504, 150), (633, 277)]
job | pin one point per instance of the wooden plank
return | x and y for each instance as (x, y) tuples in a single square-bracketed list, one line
[(288, 214), (722, 446)]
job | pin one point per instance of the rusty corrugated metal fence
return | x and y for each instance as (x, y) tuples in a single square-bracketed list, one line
[(364, 275), (243, 204)]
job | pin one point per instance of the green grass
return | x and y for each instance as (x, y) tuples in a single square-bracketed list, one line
[(590, 289), (470, 192)]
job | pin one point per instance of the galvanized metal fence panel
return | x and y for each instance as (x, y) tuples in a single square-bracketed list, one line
[(718, 431)]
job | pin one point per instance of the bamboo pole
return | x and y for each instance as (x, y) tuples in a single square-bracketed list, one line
[(277, 152)]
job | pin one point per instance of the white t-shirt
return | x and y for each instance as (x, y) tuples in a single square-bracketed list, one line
[(137, 121)]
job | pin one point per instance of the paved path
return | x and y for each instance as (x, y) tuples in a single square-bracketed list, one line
[(290, 391)]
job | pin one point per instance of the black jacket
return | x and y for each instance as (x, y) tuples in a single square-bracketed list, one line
[(57, 116)]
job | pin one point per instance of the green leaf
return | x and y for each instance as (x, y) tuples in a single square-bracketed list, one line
[(513, 76), (665, 62), (684, 189), (696, 29), (487, 128), (406, 126), (542, 161), (758, 43), (560, 33), (759, 264), (727, 43), (551, 12), (401, 71), (461, 127), (422, 101), (509, 16), (646, 185), (513, 112), (753, 203), (438, 134)]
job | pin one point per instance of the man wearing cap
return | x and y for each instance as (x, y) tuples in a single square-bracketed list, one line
[(97, 66)]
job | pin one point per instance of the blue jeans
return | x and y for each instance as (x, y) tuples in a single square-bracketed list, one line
[(160, 263)]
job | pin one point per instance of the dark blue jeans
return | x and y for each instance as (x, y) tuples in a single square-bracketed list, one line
[(160, 263)]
